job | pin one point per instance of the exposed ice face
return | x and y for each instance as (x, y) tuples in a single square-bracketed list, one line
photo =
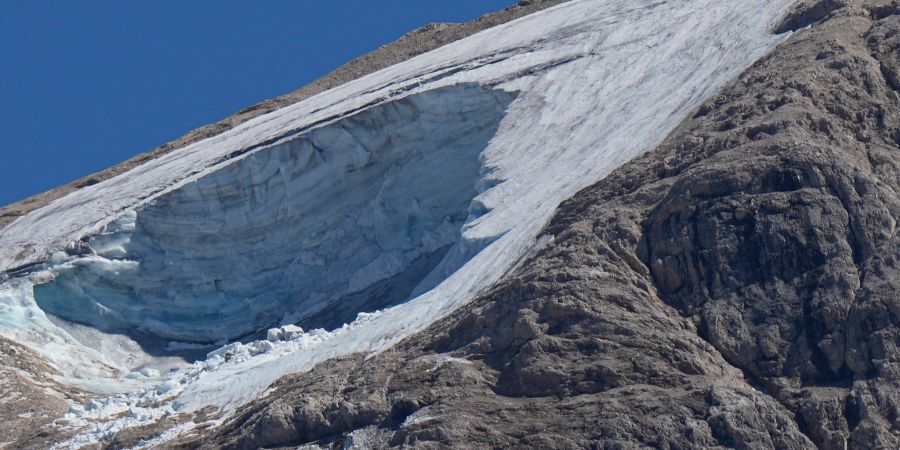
[(362, 209)]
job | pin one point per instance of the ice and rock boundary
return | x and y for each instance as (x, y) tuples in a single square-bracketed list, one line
[(581, 89)]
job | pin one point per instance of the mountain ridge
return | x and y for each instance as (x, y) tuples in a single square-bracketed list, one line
[(411, 44), (609, 336), (733, 287)]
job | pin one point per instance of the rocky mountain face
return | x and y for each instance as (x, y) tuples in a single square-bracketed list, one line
[(735, 288)]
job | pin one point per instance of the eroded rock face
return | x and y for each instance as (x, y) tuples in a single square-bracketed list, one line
[(32, 398), (781, 241), (736, 288)]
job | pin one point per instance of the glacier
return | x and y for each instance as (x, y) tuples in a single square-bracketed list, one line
[(364, 213), (367, 207)]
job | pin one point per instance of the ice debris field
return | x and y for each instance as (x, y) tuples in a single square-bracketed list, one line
[(362, 214)]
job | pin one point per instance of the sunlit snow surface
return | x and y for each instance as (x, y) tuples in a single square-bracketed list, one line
[(559, 99)]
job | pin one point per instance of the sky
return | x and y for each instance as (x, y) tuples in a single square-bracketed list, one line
[(85, 85)]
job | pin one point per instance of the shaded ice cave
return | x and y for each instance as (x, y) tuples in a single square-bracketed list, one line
[(352, 216)]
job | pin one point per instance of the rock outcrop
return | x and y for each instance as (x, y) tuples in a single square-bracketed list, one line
[(735, 288)]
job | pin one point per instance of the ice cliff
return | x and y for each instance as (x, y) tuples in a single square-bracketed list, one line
[(364, 208), (405, 192)]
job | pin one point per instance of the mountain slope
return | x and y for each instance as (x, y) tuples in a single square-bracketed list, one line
[(409, 45), (734, 288), (729, 289)]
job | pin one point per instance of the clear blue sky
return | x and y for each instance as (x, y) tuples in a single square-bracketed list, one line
[(87, 84)]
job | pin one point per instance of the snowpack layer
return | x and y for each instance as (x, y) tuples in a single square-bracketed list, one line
[(517, 119)]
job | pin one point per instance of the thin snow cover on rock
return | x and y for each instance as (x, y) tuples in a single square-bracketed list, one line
[(407, 191)]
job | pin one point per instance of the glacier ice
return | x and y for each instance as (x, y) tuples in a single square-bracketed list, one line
[(285, 333), (293, 228)]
